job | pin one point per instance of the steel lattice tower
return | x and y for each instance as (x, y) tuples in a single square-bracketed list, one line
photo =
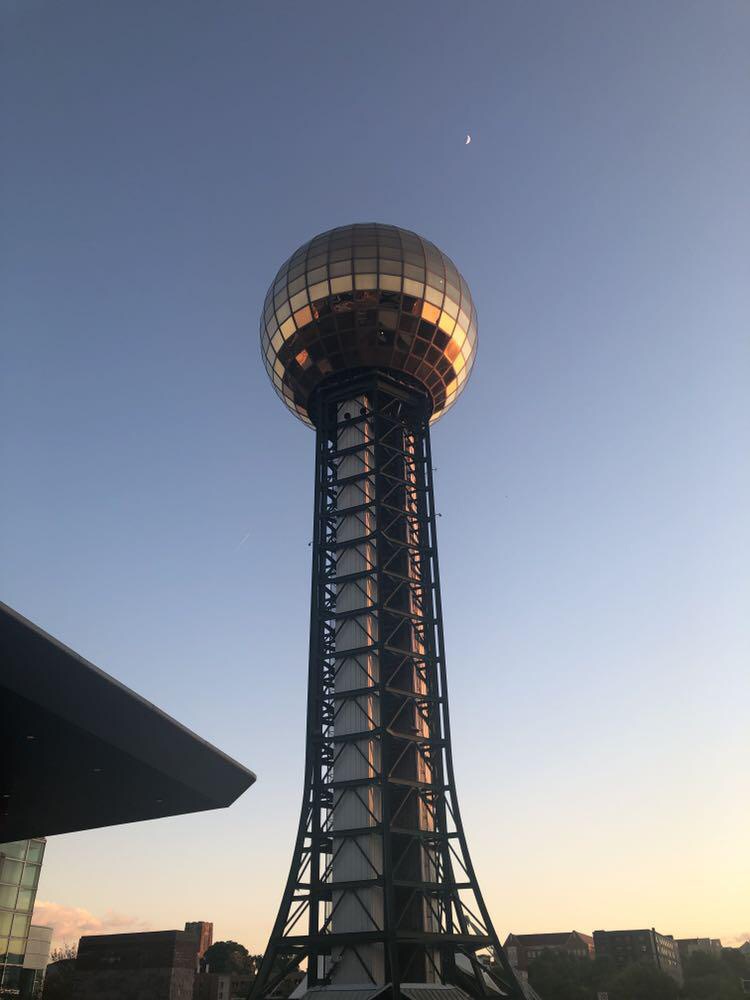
[(369, 334)]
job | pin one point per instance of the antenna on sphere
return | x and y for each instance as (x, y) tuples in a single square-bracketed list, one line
[(369, 334)]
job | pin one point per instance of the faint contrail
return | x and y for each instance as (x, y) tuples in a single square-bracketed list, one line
[(243, 541)]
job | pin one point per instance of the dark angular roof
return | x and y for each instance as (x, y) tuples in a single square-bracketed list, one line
[(80, 750)]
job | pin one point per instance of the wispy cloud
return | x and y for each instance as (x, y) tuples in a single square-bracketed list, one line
[(72, 922), (243, 541)]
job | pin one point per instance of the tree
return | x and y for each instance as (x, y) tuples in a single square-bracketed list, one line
[(229, 956), (710, 978), (643, 982), (735, 963), (63, 952), (558, 976)]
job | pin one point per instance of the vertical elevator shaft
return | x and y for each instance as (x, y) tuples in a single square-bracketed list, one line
[(357, 857), (377, 725)]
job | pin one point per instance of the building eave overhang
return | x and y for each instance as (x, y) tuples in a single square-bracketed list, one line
[(80, 750)]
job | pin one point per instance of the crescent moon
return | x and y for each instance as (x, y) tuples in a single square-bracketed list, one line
[(467, 140)]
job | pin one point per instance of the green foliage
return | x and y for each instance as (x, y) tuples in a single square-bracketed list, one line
[(228, 956), (735, 963), (253, 963), (710, 978), (643, 982), (64, 952), (558, 976)]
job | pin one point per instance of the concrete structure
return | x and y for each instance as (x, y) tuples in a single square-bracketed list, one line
[(20, 867), (522, 949), (648, 946), (707, 946), (369, 334), (85, 751), (151, 965), (203, 930), (36, 958)]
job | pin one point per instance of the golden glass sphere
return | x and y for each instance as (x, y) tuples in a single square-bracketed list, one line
[(368, 296)]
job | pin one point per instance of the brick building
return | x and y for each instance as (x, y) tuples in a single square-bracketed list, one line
[(152, 965), (203, 930), (648, 946), (522, 949), (689, 946)]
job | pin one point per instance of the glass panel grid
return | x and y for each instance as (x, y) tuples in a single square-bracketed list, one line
[(368, 296), (16, 849), (16, 905), (8, 895)]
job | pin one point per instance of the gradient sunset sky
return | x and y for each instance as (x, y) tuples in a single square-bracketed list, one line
[(160, 161)]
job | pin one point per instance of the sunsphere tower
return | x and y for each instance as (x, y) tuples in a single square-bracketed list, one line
[(369, 334)]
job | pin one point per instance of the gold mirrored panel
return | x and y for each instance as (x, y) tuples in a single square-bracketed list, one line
[(366, 296)]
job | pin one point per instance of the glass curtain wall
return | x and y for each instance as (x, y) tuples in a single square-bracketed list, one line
[(20, 865)]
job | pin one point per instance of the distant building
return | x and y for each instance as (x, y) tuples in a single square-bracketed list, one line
[(648, 946), (689, 946), (20, 865), (58, 973), (522, 949), (745, 948), (204, 932), (223, 985), (151, 965)]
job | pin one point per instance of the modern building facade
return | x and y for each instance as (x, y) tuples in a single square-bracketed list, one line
[(150, 965), (20, 867), (369, 334), (522, 949), (647, 945)]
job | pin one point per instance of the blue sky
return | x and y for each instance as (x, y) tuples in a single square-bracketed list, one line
[(160, 162)]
